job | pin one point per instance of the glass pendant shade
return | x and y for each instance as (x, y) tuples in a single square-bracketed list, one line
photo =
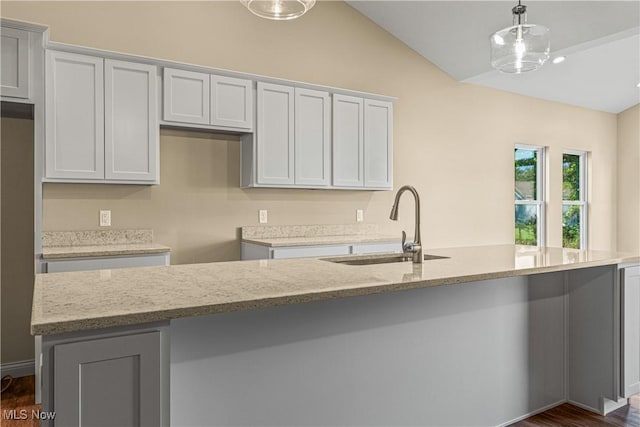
[(520, 48), (279, 10)]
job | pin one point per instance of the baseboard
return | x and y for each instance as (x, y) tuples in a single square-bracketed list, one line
[(607, 405), (18, 369), (583, 406), (531, 414)]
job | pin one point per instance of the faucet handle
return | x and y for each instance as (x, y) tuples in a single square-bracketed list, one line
[(404, 239)]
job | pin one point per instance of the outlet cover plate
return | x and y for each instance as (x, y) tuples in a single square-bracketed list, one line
[(105, 218)]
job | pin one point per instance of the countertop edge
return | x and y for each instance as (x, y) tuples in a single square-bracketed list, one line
[(93, 253)]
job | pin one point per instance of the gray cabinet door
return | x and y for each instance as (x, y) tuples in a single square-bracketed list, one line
[(378, 144), (631, 331), (131, 121), (15, 63), (312, 138), (186, 96), (108, 382), (275, 134), (231, 102), (74, 122), (348, 145)]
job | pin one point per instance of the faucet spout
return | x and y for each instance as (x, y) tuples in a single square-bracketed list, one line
[(414, 248)]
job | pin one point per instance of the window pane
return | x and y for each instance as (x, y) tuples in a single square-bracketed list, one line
[(526, 164), (571, 226), (570, 177), (527, 225)]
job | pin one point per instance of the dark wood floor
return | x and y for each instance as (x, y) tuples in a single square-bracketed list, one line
[(571, 416), (21, 395)]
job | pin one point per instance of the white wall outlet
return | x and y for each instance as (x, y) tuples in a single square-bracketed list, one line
[(105, 218), (359, 215), (263, 216)]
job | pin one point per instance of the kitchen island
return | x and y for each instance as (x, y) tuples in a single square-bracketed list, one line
[(484, 336)]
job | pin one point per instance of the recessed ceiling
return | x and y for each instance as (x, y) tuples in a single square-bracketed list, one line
[(600, 39)]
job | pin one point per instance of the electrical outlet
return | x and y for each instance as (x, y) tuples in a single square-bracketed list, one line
[(263, 216), (105, 218), (359, 215)]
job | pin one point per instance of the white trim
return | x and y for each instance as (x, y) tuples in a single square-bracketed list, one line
[(106, 54), (532, 413), (607, 405), (26, 26), (22, 368)]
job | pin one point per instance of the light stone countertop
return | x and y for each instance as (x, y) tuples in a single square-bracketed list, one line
[(309, 235), (66, 302), (61, 252), (99, 243)]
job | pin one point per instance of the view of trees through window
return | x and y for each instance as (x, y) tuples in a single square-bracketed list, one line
[(573, 204), (527, 205)]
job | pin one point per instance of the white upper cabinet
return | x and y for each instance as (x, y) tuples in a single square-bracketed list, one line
[(15, 63), (186, 96), (378, 147), (362, 143), (348, 141), (101, 120), (131, 121), (231, 102), (74, 116), (312, 138), (208, 101), (275, 134)]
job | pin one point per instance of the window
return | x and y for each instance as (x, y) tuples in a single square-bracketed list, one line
[(574, 199), (529, 195)]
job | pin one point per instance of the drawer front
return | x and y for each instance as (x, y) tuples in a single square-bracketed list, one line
[(373, 248), (76, 264)]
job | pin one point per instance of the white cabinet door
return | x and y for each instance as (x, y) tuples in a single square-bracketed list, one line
[(15, 63), (348, 143), (631, 331), (186, 96), (131, 122), (74, 116), (231, 102), (275, 134), (108, 382), (312, 138), (378, 144)]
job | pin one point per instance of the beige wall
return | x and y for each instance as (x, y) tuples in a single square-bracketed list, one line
[(17, 238), (453, 141), (629, 180)]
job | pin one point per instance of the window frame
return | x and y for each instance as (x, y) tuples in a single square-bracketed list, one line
[(583, 202), (540, 202)]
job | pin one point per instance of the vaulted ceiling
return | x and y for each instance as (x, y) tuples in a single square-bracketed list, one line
[(600, 39)]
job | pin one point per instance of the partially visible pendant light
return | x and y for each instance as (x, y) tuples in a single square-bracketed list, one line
[(279, 10), (522, 47)]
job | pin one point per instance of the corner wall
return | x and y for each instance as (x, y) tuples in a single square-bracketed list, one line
[(629, 180)]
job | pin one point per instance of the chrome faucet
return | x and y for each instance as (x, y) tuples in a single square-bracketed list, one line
[(414, 248)]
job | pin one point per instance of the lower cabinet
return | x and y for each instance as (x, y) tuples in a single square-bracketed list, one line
[(105, 263), (630, 330), (254, 251), (102, 380)]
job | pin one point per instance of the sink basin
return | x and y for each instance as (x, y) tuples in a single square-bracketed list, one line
[(378, 259)]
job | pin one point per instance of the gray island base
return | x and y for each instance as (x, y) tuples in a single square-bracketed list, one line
[(482, 352)]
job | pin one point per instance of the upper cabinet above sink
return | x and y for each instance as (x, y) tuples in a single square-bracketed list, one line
[(216, 102)]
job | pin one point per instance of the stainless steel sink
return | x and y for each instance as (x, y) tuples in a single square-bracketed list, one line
[(378, 259)]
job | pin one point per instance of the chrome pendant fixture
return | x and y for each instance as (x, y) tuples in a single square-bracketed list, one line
[(520, 48), (278, 10)]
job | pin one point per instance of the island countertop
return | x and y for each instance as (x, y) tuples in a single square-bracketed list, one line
[(67, 302)]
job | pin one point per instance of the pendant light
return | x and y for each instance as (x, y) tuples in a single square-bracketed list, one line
[(520, 48), (279, 10)]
